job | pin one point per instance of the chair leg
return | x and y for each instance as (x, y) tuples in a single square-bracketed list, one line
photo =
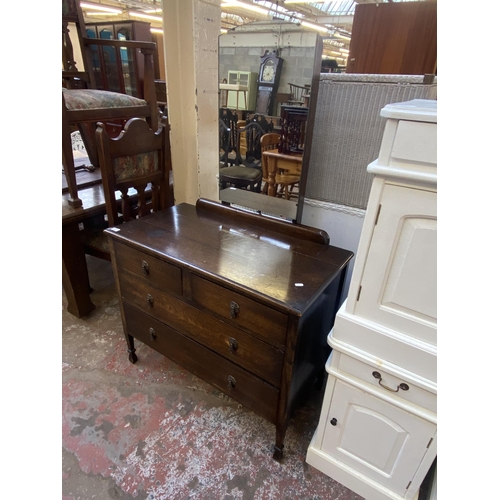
[(69, 166)]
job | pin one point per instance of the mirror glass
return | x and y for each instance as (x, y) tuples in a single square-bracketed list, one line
[(280, 96)]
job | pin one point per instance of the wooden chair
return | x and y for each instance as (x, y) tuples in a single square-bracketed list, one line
[(267, 142), (136, 164), (283, 180), (83, 104), (228, 135), (247, 173), (299, 95)]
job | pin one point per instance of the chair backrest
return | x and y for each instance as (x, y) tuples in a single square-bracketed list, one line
[(252, 133), (139, 158), (298, 93), (72, 22), (228, 130)]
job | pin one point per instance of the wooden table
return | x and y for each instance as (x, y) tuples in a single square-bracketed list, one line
[(242, 301), (278, 162), (74, 265)]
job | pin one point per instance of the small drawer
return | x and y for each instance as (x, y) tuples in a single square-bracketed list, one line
[(157, 272), (239, 384), (264, 321), (416, 142), (257, 356), (392, 384)]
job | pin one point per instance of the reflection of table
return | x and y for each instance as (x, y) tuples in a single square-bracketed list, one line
[(281, 167), (229, 87)]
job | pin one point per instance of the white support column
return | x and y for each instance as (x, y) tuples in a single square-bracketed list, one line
[(191, 29)]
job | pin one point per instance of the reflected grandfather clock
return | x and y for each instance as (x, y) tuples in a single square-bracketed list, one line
[(267, 86)]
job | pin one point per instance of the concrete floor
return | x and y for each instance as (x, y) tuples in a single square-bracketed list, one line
[(154, 431)]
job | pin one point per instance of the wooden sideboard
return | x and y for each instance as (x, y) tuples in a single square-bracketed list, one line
[(243, 301)]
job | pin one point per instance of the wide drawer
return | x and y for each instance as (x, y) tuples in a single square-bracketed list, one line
[(395, 384), (157, 272), (234, 344), (240, 310), (239, 384)]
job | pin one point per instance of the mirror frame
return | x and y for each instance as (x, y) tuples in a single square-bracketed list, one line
[(316, 69)]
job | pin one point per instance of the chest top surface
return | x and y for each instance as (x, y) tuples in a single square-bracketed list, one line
[(239, 251)]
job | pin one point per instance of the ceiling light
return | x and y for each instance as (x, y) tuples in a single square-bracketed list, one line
[(145, 16), (305, 1), (243, 5), (94, 6), (92, 14), (314, 26), (345, 51), (156, 30), (152, 11), (338, 35)]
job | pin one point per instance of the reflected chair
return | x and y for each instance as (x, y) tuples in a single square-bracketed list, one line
[(267, 142), (247, 173), (282, 180), (299, 95), (136, 165), (83, 104)]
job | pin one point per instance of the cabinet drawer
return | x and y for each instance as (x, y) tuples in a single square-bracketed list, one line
[(239, 384), (241, 348), (240, 310), (364, 371), (157, 272)]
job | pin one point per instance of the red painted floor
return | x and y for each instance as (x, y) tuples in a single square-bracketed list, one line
[(154, 431)]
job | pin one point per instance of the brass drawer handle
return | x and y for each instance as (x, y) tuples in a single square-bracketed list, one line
[(402, 386), (233, 345), (234, 309), (145, 268), (152, 334), (150, 300), (231, 382)]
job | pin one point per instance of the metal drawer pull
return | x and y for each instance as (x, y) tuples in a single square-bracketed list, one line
[(145, 268), (152, 334), (150, 300), (234, 309), (402, 386), (333, 421), (231, 382), (233, 345)]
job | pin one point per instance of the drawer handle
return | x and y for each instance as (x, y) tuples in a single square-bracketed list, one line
[(234, 309), (145, 268), (231, 382), (233, 345), (149, 300), (152, 334), (333, 421), (402, 386)]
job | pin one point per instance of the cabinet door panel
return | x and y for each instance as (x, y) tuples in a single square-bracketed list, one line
[(377, 439), (399, 282)]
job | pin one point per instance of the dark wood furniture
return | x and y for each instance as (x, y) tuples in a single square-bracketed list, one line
[(293, 129), (74, 265), (394, 38), (117, 68), (83, 104), (136, 165), (268, 82), (243, 301), (299, 96)]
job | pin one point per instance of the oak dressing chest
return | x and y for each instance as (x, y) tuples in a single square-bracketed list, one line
[(243, 301)]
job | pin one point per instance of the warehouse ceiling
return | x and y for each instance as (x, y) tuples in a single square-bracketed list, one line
[(332, 19)]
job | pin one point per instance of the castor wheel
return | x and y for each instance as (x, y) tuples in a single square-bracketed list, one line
[(132, 357), (278, 453)]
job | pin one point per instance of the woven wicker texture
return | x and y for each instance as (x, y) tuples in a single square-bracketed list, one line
[(348, 131)]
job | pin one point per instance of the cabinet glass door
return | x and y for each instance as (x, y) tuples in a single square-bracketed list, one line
[(128, 63)]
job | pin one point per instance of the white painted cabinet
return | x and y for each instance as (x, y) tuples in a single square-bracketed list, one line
[(378, 425)]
